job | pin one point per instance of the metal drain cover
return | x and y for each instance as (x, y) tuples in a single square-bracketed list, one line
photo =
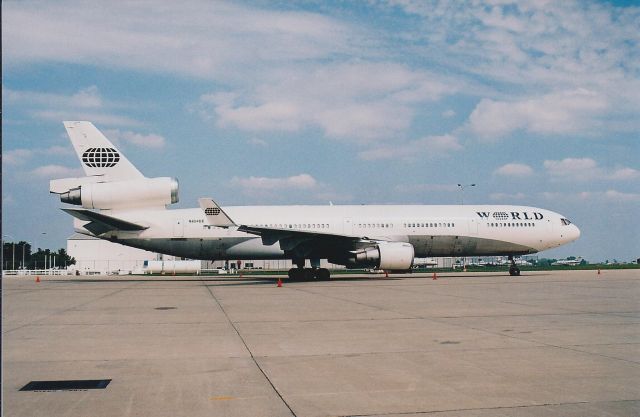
[(69, 385), (166, 308)]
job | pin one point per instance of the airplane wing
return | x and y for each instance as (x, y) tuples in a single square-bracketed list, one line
[(302, 243), (101, 223)]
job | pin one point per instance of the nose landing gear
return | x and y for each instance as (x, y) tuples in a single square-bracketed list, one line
[(514, 271)]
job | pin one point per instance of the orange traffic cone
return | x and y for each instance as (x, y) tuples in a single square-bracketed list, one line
[(37, 278), (279, 283), (435, 277)]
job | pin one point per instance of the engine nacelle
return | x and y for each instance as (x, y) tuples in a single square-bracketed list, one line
[(145, 192), (385, 255)]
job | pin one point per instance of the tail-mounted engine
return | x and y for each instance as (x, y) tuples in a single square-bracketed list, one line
[(143, 192)]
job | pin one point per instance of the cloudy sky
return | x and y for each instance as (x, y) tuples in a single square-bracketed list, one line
[(264, 102)]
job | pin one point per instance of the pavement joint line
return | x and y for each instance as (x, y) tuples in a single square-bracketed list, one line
[(486, 408), (37, 321), (253, 358), (132, 324), (444, 318)]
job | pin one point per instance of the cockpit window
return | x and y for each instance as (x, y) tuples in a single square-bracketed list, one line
[(565, 222)]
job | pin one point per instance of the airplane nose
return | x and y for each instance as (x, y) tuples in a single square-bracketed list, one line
[(575, 232)]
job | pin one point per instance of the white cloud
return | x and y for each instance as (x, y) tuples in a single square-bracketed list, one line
[(201, 38), (417, 188), (16, 156), (89, 97), (514, 170), (571, 167), (595, 196), (567, 196), (151, 140), (85, 104), (301, 182), (545, 67), (429, 146), (258, 142), (556, 113), (620, 196), (56, 171), (586, 169), (21, 156), (59, 150), (94, 117), (358, 100), (623, 174), (507, 196), (85, 98), (448, 113)]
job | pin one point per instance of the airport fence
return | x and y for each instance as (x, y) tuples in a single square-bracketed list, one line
[(33, 272)]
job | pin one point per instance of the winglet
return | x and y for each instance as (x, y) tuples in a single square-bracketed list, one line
[(214, 214)]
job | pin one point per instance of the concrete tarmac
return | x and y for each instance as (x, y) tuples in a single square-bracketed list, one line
[(467, 344)]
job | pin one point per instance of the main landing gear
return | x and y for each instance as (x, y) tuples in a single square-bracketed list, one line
[(514, 271), (308, 274)]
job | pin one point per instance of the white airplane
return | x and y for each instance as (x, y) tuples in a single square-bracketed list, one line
[(424, 262), (568, 262), (121, 205)]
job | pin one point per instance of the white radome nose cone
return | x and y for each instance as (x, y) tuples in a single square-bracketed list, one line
[(575, 232)]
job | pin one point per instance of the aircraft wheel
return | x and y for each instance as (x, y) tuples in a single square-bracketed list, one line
[(296, 274), (514, 272), (308, 274), (323, 274)]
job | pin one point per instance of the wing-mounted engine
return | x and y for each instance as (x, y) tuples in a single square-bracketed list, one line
[(384, 255), (133, 193)]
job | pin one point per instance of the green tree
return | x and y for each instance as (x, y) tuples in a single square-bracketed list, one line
[(43, 258), (14, 253)]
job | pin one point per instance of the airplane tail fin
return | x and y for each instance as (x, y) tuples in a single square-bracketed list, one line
[(98, 156), (111, 181)]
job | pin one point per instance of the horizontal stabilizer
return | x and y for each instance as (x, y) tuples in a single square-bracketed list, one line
[(101, 223), (214, 214)]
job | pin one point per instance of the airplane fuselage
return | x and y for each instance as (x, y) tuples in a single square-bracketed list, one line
[(454, 230)]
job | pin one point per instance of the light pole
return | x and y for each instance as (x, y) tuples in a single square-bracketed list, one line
[(45, 256), (462, 187)]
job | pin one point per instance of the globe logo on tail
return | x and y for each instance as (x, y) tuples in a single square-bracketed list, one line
[(100, 157)]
